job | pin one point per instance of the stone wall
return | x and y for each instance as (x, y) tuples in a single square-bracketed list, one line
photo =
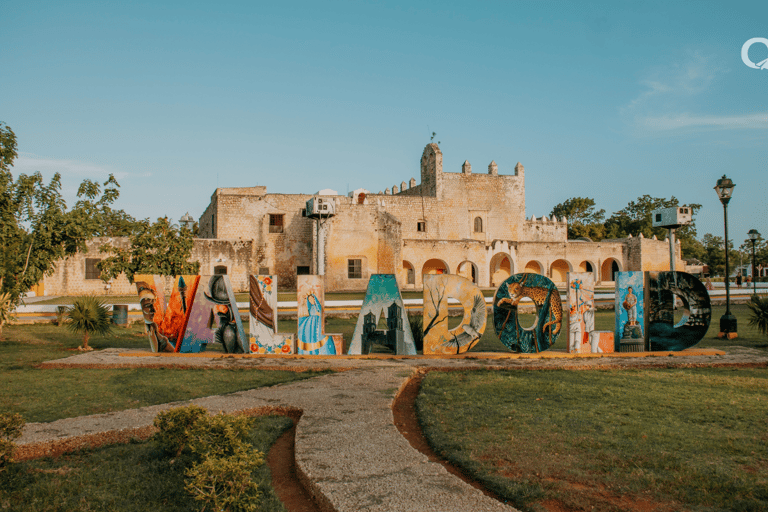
[(69, 276)]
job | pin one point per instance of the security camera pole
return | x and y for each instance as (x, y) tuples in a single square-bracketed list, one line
[(672, 218), (317, 208)]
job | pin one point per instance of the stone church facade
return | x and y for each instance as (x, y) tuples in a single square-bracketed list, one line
[(467, 223)]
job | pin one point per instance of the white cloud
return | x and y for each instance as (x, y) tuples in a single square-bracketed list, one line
[(691, 77), (757, 121), (28, 163)]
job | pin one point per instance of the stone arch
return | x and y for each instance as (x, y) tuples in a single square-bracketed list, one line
[(409, 273), (586, 266), (559, 271), (534, 267), (609, 268), (468, 270), (435, 266), (500, 268)]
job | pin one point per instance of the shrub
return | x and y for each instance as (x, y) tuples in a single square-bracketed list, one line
[(11, 426), (220, 476), (759, 313), (89, 315), (225, 483), (176, 428), (221, 435)]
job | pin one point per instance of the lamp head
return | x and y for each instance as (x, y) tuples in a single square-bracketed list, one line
[(724, 189), (754, 235)]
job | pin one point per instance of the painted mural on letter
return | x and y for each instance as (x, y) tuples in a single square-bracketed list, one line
[(382, 298), (438, 339), (581, 310), (152, 299), (214, 318), (549, 313), (263, 318), (629, 307), (310, 338), (665, 289)]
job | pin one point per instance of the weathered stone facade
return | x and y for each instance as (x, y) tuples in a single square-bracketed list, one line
[(466, 223)]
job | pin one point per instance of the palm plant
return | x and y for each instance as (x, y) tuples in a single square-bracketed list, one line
[(759, 313), (89, 315)]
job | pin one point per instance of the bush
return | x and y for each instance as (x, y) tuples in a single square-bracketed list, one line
[(11, 426), (759, 313), (226, 483), (221, 435), (220, 476), (176, 428)]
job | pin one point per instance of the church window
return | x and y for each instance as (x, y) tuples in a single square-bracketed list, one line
[(421, 226), (355, 269), (478, 225), (275, 222)]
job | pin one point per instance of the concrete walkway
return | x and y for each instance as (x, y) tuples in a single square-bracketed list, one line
[(348, 449)]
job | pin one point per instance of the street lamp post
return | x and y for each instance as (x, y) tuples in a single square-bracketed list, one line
[(728, 328), (754, 235)]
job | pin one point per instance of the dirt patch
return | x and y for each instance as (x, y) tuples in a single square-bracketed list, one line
[(285, 480)]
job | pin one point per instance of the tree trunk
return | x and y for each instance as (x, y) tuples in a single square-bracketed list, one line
[(85, 340)]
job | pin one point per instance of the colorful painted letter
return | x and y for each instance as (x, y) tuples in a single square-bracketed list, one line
[(549, 313), (629, 305), (666, 288), (437, 338), (165, 323), (310, 339), (263, 308), (581, 314), (383, 296), (214, 318)]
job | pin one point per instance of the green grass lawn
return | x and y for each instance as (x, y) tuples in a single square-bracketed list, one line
[(589, 439), (122, 478), (41, 395)]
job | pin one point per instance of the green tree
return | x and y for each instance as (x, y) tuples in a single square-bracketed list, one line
[(761, 252), (714, 254), (156, 248), (36, 228), (88, 315), (584, 220)]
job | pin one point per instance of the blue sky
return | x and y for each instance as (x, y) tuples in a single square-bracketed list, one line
[(609, 100)]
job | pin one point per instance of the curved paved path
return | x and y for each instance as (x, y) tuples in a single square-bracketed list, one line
[(350, 453)]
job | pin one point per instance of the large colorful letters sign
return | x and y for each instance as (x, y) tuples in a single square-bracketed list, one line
[(664, 289), (438, 339), (383, 297), (214, 318), (310, 338), (263, 318), (549, 313)]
